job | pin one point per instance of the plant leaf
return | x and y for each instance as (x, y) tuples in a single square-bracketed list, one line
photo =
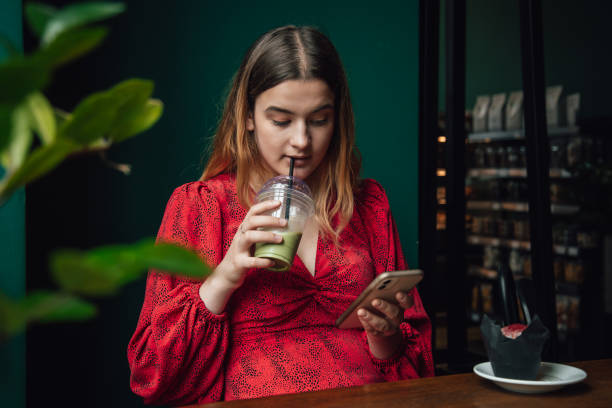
[(42, 160), (76, 15), (70, 45), (42, 117), (46, 306), (102, 271), (91, 119), (38, 15), (20, 76), (20, 139), (6, 125), (137, 120)]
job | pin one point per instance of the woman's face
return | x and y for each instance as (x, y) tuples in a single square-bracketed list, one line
[(294, 119)]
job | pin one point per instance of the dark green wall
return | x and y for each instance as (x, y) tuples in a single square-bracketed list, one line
[(12, 246), (191, 50)]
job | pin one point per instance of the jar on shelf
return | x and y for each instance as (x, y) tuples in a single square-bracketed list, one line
[(491, 157), (491, 257), (559, 269), (512, 156), (558, 153), (574, 271)]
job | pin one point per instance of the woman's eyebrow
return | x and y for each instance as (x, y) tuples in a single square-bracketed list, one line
[(283, 110)]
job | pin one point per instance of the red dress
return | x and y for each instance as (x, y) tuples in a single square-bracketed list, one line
[(277, 334)]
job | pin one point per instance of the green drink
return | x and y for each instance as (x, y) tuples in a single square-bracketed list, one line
[(282, 253)]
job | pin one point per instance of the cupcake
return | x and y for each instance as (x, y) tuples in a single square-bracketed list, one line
[(514, 350)]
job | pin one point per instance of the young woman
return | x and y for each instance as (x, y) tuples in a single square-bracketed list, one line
[(249, 332)]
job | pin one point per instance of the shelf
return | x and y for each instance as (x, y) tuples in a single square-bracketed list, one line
[(516, 244), (513, 172), (562, 209), (479, 271), (519, 134)]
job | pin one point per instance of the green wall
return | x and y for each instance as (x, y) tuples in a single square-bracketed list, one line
[(12, 247), (191, 50)]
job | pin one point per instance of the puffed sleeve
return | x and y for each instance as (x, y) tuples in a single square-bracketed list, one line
[(414, 355), (176, 353)]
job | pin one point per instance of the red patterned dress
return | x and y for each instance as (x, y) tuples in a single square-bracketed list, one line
[(277, 334)]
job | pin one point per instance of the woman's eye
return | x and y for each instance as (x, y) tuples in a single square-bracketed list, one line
[(319, 122), (281, 123)]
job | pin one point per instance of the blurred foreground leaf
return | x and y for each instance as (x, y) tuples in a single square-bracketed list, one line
[(104, 270), (38, 15), (76, 15), (41, 307)]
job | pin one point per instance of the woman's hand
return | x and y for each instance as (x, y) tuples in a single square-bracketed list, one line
[(230, 273), (382, 327)]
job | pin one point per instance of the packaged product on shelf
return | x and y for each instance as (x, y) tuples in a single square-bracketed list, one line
[(477, 225), (573, 312), (562, 308), (587, 238), (480, 113), (558, 153), (514, 111), (558, 269), (574, 271), (479, 157), (516, 262), (572, 104), (502, 159), (527, 266), (491, 257), (504, 228), (580, 150), (491, 156), (554, 109), (522, 156), (496, 112), (486, 291), (521, 229), (512, 156)]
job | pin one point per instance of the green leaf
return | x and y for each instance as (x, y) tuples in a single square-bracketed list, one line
[(91, 119), (38, 15), (76, 15), (42, 117), (104, 270), (6, 126), (42, 160), (69, 45), (20, 139), (41, 307), (45, 307), (19, 77)]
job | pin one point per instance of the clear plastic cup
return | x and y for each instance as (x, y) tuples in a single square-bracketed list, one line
[(296, 201)]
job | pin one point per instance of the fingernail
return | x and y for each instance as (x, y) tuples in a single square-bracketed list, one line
[(278, 238), (283, 222), (376, 303), (362, 313)]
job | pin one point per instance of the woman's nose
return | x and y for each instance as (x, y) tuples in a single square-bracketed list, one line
[(300, 138)]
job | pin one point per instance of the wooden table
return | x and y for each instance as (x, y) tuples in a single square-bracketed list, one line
[(461, 390)]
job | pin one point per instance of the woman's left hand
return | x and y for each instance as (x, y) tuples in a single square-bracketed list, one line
[(382, 328)]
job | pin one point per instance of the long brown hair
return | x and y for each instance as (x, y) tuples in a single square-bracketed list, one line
[(282, 54)]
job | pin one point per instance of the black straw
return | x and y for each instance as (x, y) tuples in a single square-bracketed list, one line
[(288, 203)]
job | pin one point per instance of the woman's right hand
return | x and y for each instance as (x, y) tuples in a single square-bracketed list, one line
[(231, 272)]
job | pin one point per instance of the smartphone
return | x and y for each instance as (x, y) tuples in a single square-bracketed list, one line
[(384, 287)]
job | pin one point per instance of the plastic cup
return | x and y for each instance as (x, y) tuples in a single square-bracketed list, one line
[(297, 207)]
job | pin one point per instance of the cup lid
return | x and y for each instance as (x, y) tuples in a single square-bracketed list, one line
[(283, 182)]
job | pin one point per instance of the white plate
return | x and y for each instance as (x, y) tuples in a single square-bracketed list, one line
[(551, 376)]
